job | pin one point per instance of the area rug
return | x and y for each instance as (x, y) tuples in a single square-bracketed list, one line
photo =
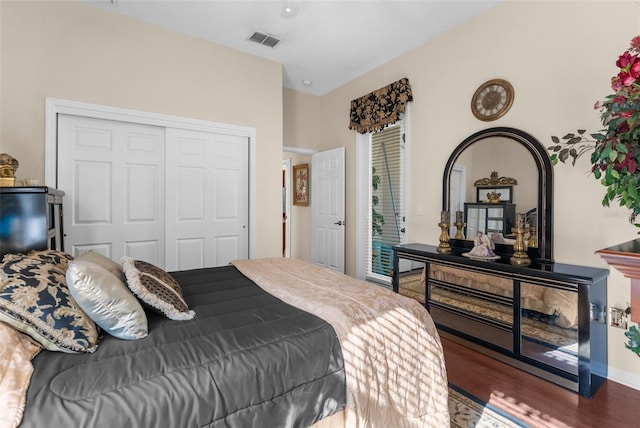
[(467, 411)]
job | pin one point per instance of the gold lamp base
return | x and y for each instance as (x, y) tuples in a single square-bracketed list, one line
[(533, 238), (444, 247), (520, 256)]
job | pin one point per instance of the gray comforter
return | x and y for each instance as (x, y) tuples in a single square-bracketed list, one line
[(246, 360)]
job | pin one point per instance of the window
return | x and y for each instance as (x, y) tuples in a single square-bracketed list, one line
[(381, 179)]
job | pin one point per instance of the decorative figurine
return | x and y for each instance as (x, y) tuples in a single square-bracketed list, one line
[(483, 246), (494, 197), (8, 166)]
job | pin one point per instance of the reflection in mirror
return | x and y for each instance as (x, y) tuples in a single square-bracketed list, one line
[(467, 184), (509, 160)]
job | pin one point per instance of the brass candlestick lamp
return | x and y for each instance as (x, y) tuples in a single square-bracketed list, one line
[(520, 256), (533, 237), (459, 224), (444, 247), (533, 231)]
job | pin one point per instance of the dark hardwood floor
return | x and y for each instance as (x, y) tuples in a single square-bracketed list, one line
[(536, 401)]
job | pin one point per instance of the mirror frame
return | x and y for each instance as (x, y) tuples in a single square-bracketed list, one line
[(544, 252)]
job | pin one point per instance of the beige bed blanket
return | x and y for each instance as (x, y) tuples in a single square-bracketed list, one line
[(393, 357), (16, 352), (394, 362)]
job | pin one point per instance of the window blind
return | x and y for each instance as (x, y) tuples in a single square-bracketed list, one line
[(387, 197)]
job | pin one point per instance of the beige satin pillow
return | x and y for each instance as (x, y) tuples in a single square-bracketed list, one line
[(107, 300), (102, 261)]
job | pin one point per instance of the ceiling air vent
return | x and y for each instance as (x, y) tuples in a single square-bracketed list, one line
[(264, 39)]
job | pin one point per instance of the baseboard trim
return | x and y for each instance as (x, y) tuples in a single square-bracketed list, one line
[(631, 380)]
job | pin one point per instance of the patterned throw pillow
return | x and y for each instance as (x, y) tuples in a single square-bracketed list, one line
[(156, 288), (35, 299), (57, 258)]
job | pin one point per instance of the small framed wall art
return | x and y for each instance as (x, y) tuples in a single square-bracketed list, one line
[(301, 184)]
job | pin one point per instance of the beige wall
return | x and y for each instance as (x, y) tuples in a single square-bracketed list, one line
[(560, 61), (302, 126), (75, 51)]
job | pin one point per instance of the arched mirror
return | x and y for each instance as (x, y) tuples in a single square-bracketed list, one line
[(508, 162)]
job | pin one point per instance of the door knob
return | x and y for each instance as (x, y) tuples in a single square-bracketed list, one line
[(340, 223)]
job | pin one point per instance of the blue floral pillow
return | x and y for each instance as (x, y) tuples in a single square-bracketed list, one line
[(58, 258), (35, 299)]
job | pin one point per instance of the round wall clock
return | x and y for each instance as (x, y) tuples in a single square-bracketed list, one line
[(492, 99)]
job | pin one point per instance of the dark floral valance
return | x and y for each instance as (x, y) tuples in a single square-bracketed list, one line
[(382, 107)]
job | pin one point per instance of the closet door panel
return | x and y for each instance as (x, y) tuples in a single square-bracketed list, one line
[(207, 199), (112, 173)]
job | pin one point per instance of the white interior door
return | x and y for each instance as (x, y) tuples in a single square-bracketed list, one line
[(113, 176), (327, 208), (207, 199)]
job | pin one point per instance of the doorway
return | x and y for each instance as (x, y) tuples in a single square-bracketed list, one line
[(286, 207)]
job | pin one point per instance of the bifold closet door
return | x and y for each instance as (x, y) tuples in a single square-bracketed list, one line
[(112, 174), (207, 199)]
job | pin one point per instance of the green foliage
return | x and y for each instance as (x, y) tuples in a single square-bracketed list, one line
[(377, 219), (615, 150), (614, 163), (572, 147), (633, 334)]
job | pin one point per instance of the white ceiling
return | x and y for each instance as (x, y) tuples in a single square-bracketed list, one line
[(328, 43)]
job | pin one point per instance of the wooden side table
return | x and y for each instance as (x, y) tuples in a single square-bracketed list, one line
[(626, 258)]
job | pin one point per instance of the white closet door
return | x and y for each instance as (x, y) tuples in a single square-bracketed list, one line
[(113, 176), (207, 199)]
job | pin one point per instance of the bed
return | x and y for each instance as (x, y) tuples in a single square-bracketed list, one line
[(259, 343)]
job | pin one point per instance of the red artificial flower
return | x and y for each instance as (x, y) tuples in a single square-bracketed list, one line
[(634, 70), (628, 162), (635, 43), (616, 83), (624, 60), (622, 128), (626, 78)]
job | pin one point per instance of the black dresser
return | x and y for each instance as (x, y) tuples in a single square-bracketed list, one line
[(30, 218), (546, 319)]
